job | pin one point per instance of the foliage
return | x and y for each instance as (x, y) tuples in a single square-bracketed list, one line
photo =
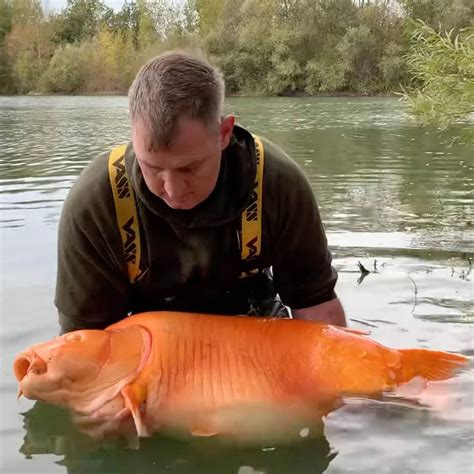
[(325, 75), (6, 13), (442, 70), (81, 20), (6, 73), (29, 48), (64, 73), (441, 14), (276, 47)]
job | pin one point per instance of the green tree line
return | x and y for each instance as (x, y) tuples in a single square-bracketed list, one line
[(273, 47), (441, 65)]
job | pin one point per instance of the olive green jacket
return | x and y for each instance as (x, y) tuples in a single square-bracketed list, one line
[(192, 257)]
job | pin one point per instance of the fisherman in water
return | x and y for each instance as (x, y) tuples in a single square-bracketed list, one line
[(195, 214)]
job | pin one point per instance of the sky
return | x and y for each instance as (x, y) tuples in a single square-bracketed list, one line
[(60, 4)]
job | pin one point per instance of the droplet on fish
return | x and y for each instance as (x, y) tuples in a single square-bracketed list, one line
[(392, 359), (304, 432)]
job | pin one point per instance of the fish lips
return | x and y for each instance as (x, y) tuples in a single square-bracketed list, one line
[(27, 367), (26, 363)]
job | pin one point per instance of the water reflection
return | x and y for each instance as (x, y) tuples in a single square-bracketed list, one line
[(49, 430), (371, 168), (387, 190)]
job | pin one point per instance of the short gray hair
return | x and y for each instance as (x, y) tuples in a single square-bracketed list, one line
[(171, 86)]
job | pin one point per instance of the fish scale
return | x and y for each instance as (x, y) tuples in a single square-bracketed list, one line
[(210, 375)]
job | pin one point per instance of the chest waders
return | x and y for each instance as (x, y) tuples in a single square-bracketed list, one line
[(249, 235)]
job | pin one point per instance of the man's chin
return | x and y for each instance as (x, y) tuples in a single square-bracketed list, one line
[(181, 206)]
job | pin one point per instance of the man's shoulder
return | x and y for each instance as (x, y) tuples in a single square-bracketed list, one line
[(91, 193), (280, 168)]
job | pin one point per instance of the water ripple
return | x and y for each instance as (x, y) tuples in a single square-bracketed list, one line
[(388, 192)]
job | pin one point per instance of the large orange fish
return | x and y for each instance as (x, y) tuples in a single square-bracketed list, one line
[(217, 375)]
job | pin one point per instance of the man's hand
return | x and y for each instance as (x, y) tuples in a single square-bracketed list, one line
[(330, 312)]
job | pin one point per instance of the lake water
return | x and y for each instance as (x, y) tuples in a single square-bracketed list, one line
[(392, 195)]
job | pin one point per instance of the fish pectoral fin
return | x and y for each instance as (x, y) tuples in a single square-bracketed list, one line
[(133, 442), (134, 396), (123, 414)]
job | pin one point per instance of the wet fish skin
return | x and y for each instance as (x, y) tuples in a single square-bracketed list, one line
[(208, 375)]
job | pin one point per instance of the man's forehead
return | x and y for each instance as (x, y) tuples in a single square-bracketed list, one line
[(168, 159), (186, 132), (191, 142)]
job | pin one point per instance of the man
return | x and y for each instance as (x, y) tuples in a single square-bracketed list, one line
[(193, 178)]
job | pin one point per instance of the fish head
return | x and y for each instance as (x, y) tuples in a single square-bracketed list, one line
[(48, 371), (81, 369)]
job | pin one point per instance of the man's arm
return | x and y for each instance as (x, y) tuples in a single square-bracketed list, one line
[(330, 312), (302, 263), (92, 289)]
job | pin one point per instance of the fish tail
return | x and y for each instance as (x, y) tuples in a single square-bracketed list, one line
[(431, 365)]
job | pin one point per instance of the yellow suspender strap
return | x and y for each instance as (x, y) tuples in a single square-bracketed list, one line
[(125, 210), (252, 215), (127, 218)]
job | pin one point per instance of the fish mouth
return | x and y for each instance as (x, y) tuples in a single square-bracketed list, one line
[(27, 363)]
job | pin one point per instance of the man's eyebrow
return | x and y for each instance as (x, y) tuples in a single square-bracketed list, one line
[(148, 164), (192, 162)]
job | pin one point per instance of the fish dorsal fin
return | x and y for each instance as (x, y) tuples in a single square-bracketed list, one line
[(130, 349)]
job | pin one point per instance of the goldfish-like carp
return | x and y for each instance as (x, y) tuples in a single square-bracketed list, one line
[(208, 375)]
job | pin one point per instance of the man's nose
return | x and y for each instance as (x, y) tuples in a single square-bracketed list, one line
[(173, 185)]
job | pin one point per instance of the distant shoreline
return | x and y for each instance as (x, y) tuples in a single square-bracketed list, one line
[(298, 95)]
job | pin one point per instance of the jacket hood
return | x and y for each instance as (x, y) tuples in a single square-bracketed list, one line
[(225, 203)]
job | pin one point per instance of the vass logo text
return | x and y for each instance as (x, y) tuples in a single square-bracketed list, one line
[(251, 212), (121, 181), (251, 245), (129, 245)]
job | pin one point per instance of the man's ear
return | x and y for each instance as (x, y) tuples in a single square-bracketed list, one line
[(226, 128)]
